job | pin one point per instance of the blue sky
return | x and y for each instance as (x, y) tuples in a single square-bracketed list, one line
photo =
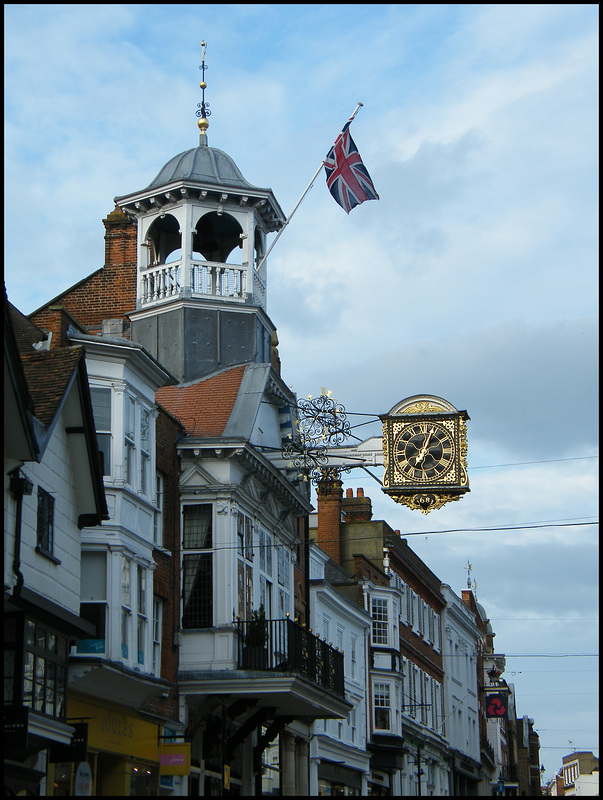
[(474, 277)]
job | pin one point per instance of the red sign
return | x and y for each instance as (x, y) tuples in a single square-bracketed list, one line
[(496, 706)]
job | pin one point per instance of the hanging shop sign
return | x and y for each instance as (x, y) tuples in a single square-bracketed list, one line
[(74, 751), (16, 721), (496, 706), (175, 758), (82, 786)]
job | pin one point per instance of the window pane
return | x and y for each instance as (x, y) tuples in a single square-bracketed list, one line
[(39, 684), (125, 632), (101, 406), (142, 590), (197, 527), (141, 638), (104, 446), (94, 613), (145, 419), (45, 520), (382, 706), (197, 591), (129, 418), (125, 581), (50, 687), (60, 701), (94, 576)]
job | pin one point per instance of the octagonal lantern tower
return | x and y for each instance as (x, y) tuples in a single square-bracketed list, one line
[(201, 273)]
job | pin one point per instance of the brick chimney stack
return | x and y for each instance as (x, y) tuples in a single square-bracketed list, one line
[(357, 509), (329, 492)]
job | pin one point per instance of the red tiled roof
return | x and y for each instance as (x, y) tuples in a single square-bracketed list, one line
[(48, 373), (204, 407)]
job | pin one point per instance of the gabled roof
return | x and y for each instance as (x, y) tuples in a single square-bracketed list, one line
[(20, 441), (52, 377), (48, 374), (204, 407)]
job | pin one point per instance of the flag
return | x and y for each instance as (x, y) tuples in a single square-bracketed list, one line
[(347, 177)]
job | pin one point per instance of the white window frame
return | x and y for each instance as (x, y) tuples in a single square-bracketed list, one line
[(157, 638), (158, 515), (103, 430), (382, 690), (380, 634)]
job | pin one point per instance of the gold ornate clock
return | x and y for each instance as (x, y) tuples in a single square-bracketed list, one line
[(425, 448)]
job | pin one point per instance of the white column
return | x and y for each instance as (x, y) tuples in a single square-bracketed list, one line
[(288, 786), (302, 768)]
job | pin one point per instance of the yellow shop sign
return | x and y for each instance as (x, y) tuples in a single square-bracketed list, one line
[(175, 759), (112, 729)]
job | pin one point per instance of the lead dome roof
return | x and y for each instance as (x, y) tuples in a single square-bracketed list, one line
[(203, 164)]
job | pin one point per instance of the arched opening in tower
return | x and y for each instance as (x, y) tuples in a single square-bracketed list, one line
[(216, 237)]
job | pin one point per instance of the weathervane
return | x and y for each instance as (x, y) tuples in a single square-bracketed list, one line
[(203, 108)]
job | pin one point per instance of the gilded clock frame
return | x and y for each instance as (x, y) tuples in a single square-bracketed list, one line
[(426, 494)]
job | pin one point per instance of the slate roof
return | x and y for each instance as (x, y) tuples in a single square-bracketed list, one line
[(204, 407)]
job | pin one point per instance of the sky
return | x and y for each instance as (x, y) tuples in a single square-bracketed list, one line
[(474, 277)]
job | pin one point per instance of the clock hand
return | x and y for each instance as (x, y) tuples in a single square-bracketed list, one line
[(424, 447)]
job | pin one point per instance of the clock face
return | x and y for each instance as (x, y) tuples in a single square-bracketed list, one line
[(424, 452)]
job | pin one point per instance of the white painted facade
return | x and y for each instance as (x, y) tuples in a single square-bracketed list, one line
[(53, 575), (337, 743), (117, 557), (460, 640)]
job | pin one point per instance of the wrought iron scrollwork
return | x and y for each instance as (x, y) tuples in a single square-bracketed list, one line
[(322, 422)]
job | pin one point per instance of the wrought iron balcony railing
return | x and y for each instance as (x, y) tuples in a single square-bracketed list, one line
[(283, 645)]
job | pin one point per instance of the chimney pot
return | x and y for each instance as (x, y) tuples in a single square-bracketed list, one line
[(349, 493), (360, 493)]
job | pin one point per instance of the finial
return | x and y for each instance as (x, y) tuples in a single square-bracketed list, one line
[(203, 113), (468, 574)]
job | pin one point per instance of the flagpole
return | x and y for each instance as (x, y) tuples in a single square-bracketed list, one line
[(306, 190)]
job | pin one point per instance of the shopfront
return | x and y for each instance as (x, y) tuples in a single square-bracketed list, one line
[(124, 753), (337, 780)]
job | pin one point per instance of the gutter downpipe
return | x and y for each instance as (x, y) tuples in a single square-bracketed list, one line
[(19, 486)]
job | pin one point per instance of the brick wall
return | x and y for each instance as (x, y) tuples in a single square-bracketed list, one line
[(329, 494), (108, 293), (357, 509)]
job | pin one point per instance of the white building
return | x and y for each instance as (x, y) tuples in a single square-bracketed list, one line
[(460, 641), (52, 489), (339, 761), (581, 775)]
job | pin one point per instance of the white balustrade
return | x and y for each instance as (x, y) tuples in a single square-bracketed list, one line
[(218, 280), (207, 278), (160, 283)]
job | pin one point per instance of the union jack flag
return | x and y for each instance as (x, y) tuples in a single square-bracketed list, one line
[(347, 177)]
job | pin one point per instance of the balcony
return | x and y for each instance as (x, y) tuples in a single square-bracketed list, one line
[(184, 278), (282, 666), (290, 647)]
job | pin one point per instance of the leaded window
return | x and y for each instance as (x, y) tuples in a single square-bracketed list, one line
[(197, 567), (45, 524)]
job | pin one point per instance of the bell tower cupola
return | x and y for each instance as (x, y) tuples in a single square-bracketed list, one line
[(201, 273)]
